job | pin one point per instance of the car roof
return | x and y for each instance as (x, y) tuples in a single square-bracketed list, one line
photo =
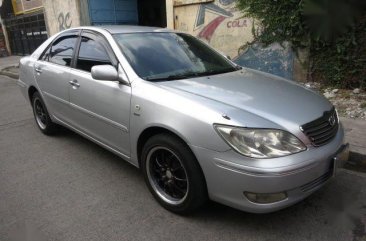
[(113, 29)]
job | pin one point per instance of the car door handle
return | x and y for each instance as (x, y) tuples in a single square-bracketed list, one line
[(74, 83), (38, 70)]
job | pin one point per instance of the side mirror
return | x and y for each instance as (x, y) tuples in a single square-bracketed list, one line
[(104, 72)]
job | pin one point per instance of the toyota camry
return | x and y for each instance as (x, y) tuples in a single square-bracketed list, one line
[(198, 126)]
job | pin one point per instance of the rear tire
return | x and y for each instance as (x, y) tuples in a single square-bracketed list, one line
[(173, 174), (41, 115)]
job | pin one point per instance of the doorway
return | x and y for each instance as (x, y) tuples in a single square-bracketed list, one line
[(152, 13), (131, 12)]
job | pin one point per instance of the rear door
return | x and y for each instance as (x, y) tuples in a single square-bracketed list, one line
[(101, 109), (52, 72)]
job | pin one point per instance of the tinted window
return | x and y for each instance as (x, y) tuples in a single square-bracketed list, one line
[(91, 53), (62, 50), (156, 56)]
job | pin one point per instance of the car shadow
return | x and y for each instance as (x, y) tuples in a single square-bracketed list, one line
[(337, 208), (110, 157)]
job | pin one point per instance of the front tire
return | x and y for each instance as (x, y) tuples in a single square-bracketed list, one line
[(41, 115), (172, 174)]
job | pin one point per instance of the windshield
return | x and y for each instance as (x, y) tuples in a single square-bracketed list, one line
[(169, 56)]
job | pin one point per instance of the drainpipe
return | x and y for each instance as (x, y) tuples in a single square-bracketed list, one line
[(4, 32)]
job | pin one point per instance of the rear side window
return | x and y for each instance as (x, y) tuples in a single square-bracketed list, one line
[(61, 51), (91, 53)]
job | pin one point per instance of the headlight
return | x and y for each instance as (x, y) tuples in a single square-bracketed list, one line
[(260, 143)]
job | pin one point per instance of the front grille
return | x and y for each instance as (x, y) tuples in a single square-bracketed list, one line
[(322, 130)]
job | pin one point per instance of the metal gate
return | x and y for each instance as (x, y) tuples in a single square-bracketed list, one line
[(113, 12), (26, 32)]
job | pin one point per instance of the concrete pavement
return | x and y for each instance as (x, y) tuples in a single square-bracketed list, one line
[(9, 61), (9, 66), (356, 135)]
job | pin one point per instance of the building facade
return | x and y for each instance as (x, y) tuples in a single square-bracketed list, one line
[(217, 22), (24, 25)]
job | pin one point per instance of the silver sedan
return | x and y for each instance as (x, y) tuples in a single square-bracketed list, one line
[(199, 126)]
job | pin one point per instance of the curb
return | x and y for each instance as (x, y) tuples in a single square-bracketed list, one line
[(356, 162), (10, 74), (4, 71)]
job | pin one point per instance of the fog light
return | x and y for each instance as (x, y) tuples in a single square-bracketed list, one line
[(263, 198)]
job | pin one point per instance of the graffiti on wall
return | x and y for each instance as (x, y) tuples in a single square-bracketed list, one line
[(223, 26), (217, 23), (61, 15), (208, 30), (64, 21)]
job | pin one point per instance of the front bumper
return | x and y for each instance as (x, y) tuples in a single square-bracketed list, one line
[(228, 175)]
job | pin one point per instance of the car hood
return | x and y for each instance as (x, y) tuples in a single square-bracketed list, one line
[(273, 98)]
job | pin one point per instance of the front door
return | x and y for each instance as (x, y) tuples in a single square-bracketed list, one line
[(52, 72), (101, 109)]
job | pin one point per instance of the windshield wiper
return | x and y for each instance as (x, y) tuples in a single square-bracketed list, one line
[(213, 72), (186, 75), (173, 77)]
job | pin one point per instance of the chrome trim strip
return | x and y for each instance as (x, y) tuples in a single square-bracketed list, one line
[(93, 139), (259, 172), (55, 98), (106, 120), (307, 187), (92, 114)]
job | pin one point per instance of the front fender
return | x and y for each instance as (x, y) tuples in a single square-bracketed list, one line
[(152, 106), (189, 116)]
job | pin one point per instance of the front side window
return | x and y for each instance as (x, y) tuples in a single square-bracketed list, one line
[(169, 56), (61, 51), (91, 53)]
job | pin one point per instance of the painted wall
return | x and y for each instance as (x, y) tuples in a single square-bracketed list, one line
[(61, 15), (222, 25), (217, 23)]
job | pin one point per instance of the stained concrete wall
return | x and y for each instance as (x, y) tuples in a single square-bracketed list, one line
[(61, 15), (84, 13)]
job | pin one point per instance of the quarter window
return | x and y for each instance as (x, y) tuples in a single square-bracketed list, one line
[(91, 53), (62, 50), (45, 56)]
